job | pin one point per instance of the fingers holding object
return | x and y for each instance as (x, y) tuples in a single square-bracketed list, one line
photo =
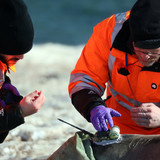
[(103, 124), (99, 123), (96, 123)]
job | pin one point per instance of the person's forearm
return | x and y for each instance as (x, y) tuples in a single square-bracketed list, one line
[(85, 100)]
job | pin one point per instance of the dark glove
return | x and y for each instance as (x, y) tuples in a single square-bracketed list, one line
[(100, 114)]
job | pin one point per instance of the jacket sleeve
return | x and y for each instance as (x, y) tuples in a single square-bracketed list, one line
[(90, 75), (85, 100), (10, 115), (10, 118), (3, 135)]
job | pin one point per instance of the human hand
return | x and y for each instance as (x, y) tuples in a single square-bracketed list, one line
[(11, 88), (100, 114), (146, 115), (31, 103)]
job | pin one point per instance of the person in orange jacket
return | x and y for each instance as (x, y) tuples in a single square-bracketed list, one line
[(16, 39), (123, 57)]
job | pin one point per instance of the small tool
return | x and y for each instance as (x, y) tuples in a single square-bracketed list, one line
[(84, 131)]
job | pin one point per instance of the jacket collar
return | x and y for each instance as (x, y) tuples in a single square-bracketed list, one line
[(5, 65), (131, 59)]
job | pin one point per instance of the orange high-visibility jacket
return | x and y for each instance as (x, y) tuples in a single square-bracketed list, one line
[(98, 67)]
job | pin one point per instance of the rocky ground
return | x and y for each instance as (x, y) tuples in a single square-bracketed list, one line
[(46, 67)]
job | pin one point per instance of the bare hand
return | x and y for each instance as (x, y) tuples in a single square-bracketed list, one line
[(31, 103), (146, 115)]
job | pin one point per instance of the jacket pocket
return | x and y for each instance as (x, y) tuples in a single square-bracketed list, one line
[(148, 87)]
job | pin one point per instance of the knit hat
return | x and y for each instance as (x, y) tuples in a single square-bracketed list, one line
[(144, 22), (16, 28)]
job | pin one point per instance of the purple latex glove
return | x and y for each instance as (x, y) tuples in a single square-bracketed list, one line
[(11, 88), (100, 114)]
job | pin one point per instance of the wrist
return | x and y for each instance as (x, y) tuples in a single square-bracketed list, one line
[(98, 108), (21, 112)]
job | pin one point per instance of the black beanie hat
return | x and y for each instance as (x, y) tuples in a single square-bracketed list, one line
[(144, 22), (16, 28)]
